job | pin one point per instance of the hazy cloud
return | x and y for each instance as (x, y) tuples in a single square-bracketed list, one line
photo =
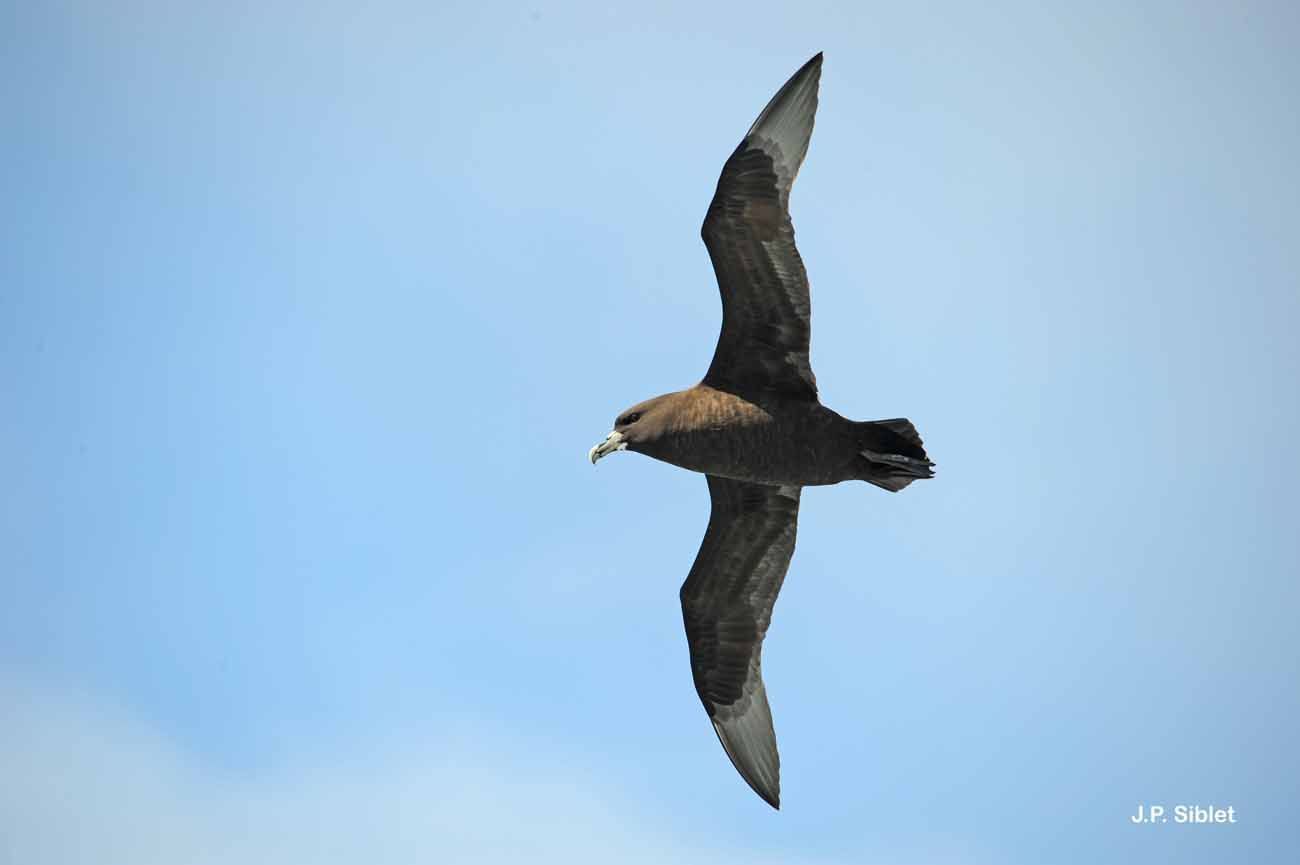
[(87, 783)]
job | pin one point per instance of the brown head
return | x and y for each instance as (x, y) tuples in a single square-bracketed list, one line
[(638, 428)]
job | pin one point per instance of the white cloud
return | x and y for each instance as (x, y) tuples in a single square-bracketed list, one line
[(84, 782)]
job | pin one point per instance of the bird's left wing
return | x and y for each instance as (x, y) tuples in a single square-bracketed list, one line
[(727, 604), (763, 344)]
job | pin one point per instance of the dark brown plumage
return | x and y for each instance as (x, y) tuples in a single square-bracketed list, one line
[(755, 427)]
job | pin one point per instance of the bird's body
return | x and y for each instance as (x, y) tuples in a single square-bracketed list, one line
[(763, 440), (756, 428)]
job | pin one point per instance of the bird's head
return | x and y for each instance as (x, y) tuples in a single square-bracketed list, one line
[(635, 428)]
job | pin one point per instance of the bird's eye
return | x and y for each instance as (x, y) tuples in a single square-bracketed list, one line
[(632, 418)]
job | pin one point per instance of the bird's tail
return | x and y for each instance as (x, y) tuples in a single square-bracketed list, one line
[(891, 454)]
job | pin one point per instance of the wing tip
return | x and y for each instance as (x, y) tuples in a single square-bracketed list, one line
[(813, 67), (759, 766), (810, 68), (787, 119)]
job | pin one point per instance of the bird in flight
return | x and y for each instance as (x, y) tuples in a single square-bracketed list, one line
[(756, 429)]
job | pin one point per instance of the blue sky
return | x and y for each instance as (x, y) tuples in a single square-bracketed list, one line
[(308, 317)]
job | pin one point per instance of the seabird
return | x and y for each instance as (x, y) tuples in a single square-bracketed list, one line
[(755, 427)]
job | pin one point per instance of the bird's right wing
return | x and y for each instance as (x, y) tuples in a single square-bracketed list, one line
[(763, 345), (727, 604)]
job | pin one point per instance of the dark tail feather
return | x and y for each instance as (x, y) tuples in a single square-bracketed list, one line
[(901, 427), (892, 454)]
